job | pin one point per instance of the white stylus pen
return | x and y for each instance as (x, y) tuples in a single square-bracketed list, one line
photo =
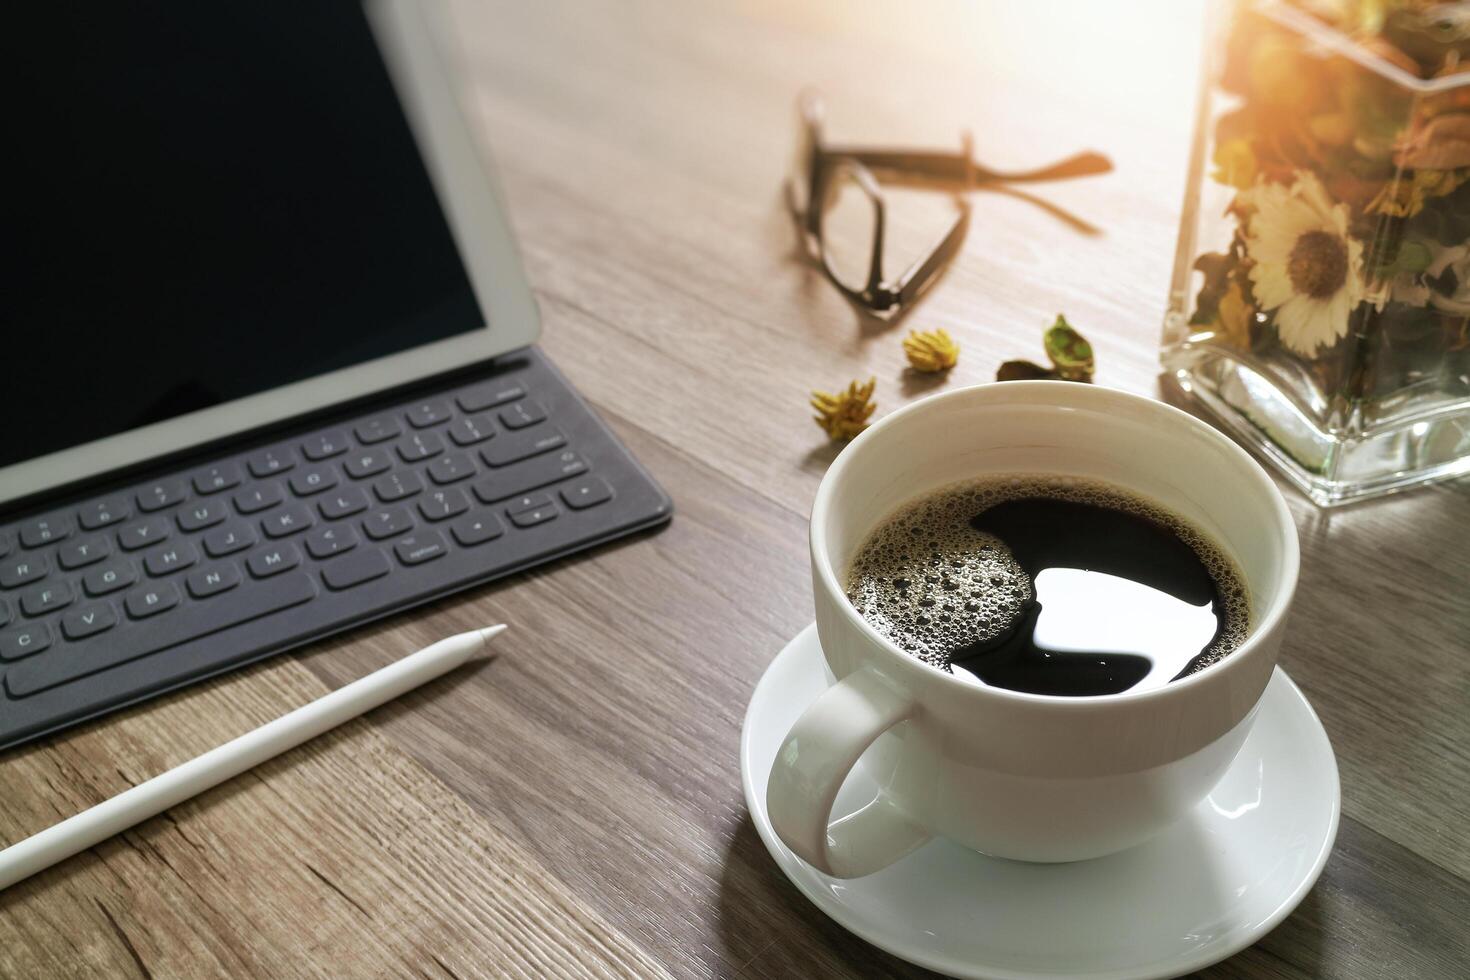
[(92, 826)]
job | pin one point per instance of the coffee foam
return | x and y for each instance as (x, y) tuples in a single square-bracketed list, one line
[(933, 585)]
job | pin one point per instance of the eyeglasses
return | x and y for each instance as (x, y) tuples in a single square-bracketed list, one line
[(822, 174)]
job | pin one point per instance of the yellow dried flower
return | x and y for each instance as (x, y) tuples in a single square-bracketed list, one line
[(846, 413), (932, 351), (1405, 197), (1236, 316), (1235, 164)]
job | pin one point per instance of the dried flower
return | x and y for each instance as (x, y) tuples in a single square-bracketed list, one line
[(1306, 268), (845, 414), (1070, 353), (932, 351), (1443, 143), (1405, 197), (1235, 163), (1236, 317)]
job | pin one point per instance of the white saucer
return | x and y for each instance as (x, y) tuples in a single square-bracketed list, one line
[(1204, 889)]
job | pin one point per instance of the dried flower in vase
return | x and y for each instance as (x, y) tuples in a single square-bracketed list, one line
[(932, 351), (845, 414)]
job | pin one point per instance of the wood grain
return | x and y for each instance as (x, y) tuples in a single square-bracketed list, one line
[(574, 807), (343, 853)]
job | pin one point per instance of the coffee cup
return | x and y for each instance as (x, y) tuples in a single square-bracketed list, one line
[(1011, 774)]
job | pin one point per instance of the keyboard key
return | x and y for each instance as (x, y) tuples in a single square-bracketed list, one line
[(470, 429), (4, 544), (314, 480), (24, 641), (529, 502), (4, 612), (273, 561), (101, 513), (587, 492), (355, 568), (522, 414), (512, 449), (441, 504), (221, 476), (260, 497), (378, 429), (425, 414), (343, 503), (79, 554), (22, 569), (504, 484), (455, 466), (45, 598), (419, 548), (325, 542), (151, 600), (530, 518), (476, 529), (387, 522), (169, 558), (143, 533), (290, 520), (213, 580), (140, 638), (205, 513), (396, 486), (44, 530), (268, 462), (488, 394), (325, 445), (116, 574), (368, 462), (420, 445), (163, 494), (228, 540), (88, 621)]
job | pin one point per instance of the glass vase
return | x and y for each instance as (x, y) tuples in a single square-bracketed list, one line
[(1320, 302)]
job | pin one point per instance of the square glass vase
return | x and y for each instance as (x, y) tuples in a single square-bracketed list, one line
[(1320, 302)]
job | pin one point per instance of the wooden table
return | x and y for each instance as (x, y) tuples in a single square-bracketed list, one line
[(574, 807)]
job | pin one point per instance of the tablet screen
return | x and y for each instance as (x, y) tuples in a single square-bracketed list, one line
[(206, 201)]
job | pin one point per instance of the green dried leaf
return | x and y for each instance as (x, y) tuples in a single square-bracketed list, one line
[(1024, 371), (1069, 351), (1412, 257)]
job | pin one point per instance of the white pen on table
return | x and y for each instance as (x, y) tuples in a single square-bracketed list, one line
[(147, 799)]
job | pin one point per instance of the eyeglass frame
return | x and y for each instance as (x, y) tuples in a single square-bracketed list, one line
[(827, 167), (938, 170)]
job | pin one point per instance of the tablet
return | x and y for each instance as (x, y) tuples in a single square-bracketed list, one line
[(228, 215)]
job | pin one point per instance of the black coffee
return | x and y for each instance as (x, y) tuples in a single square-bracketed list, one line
[(1050, 585)]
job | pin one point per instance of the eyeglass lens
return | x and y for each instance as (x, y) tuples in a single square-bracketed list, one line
[(849, 227)]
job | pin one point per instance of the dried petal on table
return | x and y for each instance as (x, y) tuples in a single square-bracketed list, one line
[(1024, 371), (845, 414)]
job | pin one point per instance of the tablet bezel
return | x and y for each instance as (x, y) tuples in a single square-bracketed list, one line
[(465, 183)]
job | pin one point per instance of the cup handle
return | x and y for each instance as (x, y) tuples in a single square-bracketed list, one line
[(819, 751)]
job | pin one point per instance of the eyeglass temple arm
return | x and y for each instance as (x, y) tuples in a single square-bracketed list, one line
[(961, 169)]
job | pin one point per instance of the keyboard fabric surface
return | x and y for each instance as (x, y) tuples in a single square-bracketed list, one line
[(170, 577)]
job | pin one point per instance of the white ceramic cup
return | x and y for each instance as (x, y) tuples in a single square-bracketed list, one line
[(1025, 776)]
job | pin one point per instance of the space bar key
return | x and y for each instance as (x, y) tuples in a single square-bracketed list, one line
[(139, 638)]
